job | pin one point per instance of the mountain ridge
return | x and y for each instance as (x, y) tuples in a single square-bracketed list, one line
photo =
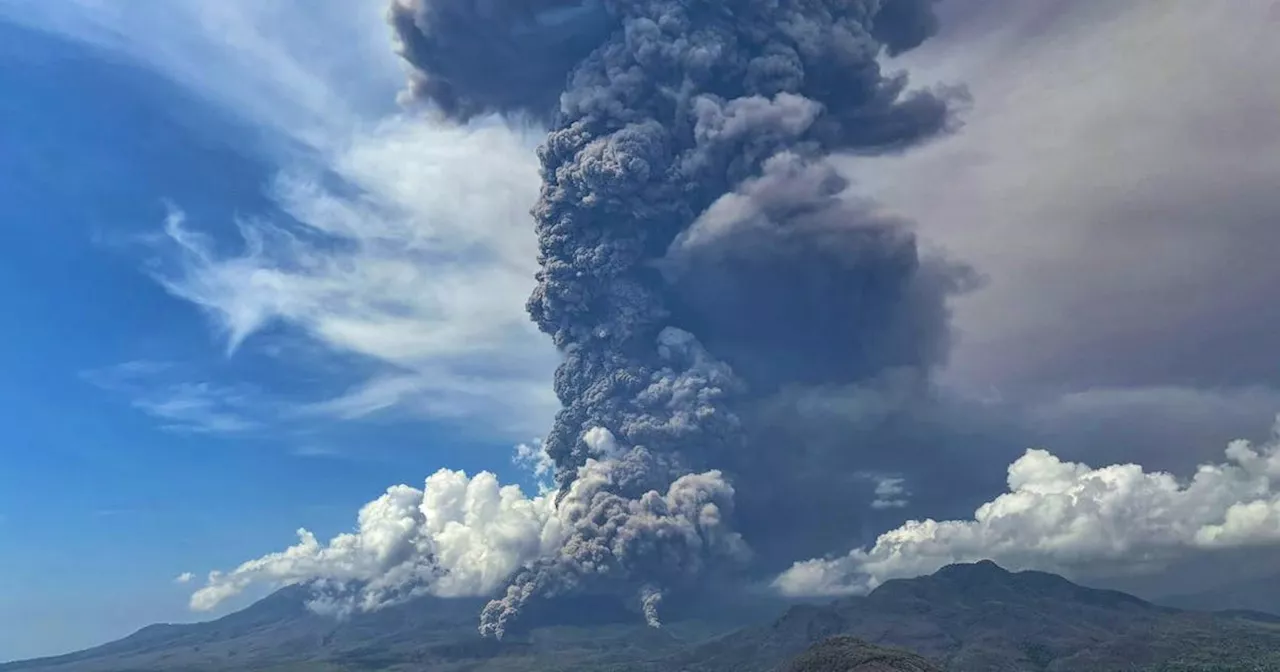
[(964, 617), (982, 617)]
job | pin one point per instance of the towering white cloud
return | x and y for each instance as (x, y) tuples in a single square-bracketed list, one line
[(467, 536), (457, 536), (1072, 518)]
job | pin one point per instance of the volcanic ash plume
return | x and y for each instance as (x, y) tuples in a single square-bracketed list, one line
[(696, 249)]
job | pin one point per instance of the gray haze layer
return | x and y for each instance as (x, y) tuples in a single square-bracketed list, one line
[(1115, 186)]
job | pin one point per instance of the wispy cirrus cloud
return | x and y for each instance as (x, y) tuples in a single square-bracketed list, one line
[(400, 241), (199, 407), (418, 259), (306, 81), (162, 391), (891, 493)]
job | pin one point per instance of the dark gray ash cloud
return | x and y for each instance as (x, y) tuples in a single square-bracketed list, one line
[(473, 57), (698, 255), (792, 281)]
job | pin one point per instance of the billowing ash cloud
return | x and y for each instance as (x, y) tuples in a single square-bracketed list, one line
[(791, 282), (463, 536), (697, 253), (1072, 518), (475, 56), (619, 529)]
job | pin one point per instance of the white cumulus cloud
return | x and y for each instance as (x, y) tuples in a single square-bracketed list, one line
[(457, 536), (1074, 519), (462, 536)]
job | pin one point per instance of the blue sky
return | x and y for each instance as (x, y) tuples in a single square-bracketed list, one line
[(161, 417), (244, 291)]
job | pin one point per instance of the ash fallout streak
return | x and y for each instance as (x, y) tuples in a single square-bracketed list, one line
[(699, 257)]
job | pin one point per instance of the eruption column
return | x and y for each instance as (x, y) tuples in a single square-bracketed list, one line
[(686, 197)]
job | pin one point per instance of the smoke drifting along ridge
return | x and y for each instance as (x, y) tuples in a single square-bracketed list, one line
[(698, 254)]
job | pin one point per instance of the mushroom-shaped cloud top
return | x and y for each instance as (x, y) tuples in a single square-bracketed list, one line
[(475, 57)]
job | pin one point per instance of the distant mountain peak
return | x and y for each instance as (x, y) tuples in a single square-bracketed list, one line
[(981, 568), (984, 581), (981, 616), (963, 578)]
